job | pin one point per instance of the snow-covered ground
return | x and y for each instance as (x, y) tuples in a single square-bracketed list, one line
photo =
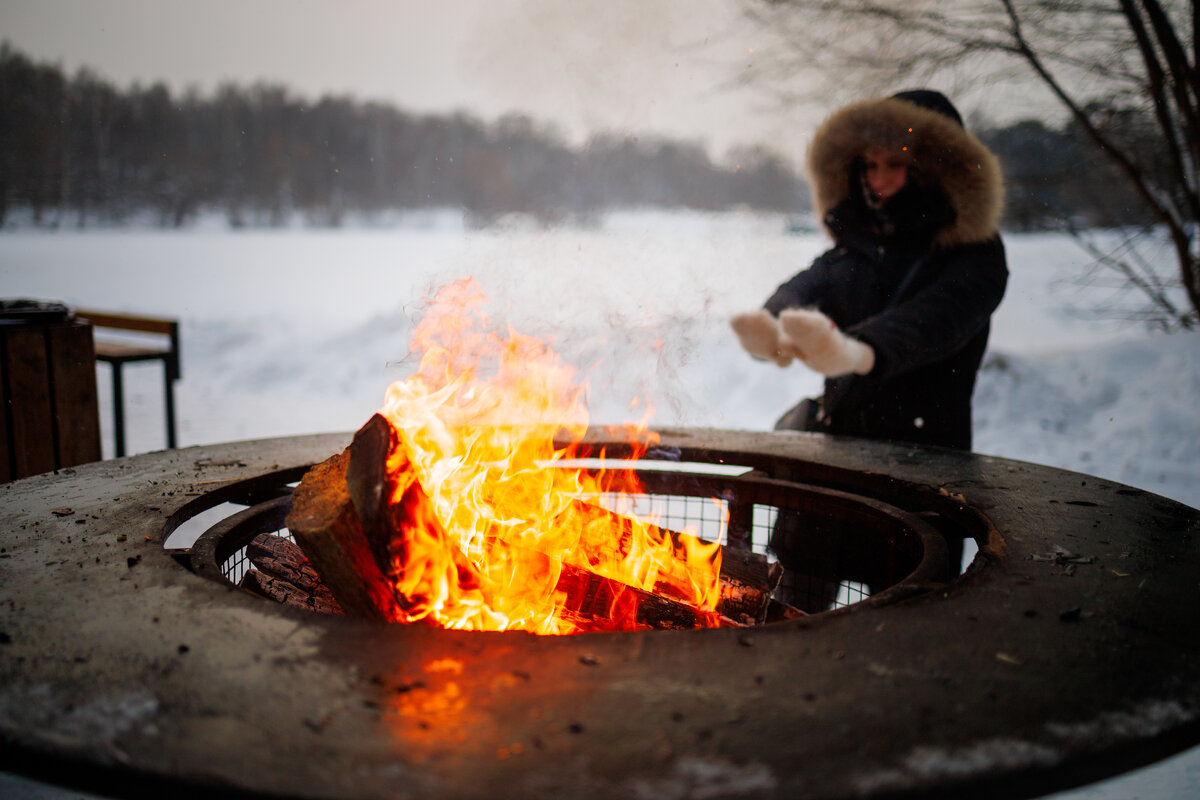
[(298, 331)]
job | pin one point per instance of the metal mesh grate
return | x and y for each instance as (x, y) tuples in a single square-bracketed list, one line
[(703, 517), (706, 517), (846, 592)]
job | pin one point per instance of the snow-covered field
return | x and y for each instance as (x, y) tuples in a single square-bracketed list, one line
[(294, 331), (298, 331)]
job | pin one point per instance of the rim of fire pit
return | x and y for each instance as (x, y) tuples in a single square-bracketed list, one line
[(1068, 652), (738, 510)]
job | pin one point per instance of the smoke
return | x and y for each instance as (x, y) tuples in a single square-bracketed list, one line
[(622, 66)]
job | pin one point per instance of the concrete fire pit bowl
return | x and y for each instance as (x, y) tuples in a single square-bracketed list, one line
[(1069, 651)]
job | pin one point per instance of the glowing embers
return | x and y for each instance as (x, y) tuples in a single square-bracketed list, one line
[(452, 506)]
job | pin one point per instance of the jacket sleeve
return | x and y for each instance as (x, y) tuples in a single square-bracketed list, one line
[(941, 315), (805, 289)]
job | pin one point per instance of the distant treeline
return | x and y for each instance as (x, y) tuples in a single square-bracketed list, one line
[(1057, 177), (76, 150)]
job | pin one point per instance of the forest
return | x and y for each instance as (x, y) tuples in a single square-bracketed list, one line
[(77, 151)]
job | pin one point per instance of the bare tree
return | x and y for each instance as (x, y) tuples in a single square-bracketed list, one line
[(1124, 71)]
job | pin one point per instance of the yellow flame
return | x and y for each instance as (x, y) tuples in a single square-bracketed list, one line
[(478, 423)]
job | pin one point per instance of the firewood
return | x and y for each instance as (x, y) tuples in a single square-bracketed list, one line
[(746, 579), (596, 603), (366, 482), (324, 522), (349, 514), (287, 593), (282, 559)]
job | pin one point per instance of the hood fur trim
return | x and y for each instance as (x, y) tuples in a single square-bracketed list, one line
[(942, 152)]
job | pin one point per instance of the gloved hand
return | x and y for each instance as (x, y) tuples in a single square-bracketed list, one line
[(816, 341), (759, 335)]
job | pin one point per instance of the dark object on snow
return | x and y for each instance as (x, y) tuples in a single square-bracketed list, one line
[(49, 413)]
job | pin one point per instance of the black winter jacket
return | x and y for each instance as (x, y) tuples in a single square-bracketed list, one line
[(917, 280)]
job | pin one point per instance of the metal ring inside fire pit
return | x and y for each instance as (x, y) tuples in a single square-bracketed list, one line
[(1069, 651), (843, 533)]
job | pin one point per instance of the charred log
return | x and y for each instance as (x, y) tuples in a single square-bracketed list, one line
[(280, 561), (287, 593), (747, 581), (600, 604)]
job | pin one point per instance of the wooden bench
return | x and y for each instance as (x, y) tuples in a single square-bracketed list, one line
[(163, 346)]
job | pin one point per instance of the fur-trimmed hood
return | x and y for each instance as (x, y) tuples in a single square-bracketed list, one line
[(943, 153)]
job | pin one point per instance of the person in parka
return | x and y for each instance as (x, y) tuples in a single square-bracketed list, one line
[(896, 315)]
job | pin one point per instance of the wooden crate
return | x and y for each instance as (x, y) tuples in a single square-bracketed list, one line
[(50, 416)]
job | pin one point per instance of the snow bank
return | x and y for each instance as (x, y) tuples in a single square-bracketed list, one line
[(1124, 411)]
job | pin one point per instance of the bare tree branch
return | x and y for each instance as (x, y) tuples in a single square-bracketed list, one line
[(1143, 277), (1122, 159), (1186, 93), (1158, 84)]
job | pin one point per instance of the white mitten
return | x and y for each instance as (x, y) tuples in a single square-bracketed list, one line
[(759, 335), (817, 342)]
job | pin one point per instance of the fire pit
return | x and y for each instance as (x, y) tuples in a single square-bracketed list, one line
[(737, 506), (1067, 652)]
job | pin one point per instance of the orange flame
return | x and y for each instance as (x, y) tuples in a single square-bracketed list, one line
[(507, 535)]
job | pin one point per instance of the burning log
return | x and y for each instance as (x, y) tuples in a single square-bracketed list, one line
[(602, 604), (347, 523), (364, 520), (747, 581), (324, 522)]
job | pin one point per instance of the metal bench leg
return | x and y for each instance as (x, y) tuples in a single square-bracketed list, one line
[(118, 409), (170, 407)]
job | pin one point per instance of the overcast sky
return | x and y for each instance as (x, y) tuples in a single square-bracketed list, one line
[(634, 66)]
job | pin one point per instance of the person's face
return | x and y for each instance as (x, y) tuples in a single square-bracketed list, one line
[(885, 171)]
